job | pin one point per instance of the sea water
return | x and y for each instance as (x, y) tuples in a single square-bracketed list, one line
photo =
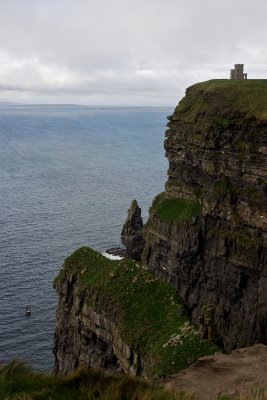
[(68, 175)]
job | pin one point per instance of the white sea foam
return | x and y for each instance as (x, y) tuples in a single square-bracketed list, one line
[(111, 256)]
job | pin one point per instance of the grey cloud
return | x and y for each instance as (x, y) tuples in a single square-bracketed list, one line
[(146, 49)]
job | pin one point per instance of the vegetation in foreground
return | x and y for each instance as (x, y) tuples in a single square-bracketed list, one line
[(19, 382), (255, 393)]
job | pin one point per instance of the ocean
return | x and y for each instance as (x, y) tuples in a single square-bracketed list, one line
[(68, 175)]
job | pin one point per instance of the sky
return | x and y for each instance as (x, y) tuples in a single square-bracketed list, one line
[(125, 52)]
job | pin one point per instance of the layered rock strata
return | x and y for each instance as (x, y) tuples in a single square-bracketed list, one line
[(216, 144), (87, 336)]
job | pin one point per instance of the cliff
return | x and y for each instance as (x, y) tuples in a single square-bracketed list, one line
[(117, 315), (206, 236), (207, 233)]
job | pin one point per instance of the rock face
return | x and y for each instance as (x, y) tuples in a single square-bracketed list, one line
[(86, 337), (132, 232), (216, 145)]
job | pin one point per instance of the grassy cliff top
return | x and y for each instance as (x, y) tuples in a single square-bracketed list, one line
[(226, 97), (147, 310)]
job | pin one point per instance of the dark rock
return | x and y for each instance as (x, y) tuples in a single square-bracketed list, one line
[(85, 336), (132, 232), (217, 153), (116, 251)]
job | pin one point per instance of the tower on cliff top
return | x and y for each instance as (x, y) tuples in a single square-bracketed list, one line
[(238, 72)]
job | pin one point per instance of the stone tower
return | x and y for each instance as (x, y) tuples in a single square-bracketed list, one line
[(238, 72)]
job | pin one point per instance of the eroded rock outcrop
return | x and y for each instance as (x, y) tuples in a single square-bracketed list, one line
[(117, 315), (132, 232), (216, 254)]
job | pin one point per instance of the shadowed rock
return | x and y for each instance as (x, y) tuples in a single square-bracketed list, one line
[(207, 234), (132, 232)]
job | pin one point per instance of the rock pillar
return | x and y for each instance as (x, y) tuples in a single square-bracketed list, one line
[(132, 232)]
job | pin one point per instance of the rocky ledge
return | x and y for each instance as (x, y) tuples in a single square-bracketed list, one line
[(117, 315)]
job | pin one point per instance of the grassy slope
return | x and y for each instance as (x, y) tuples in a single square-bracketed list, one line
[(175, 210), (18, 382), (247, 96), (148, 311)]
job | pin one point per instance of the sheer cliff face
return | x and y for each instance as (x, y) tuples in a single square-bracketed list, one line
[(216, 145), (86, 334)]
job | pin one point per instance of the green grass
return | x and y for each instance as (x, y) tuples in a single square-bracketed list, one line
[(222, 97), (253, 195), (259, 392), (243, 238), (176, 210), (19, 382), (146, 309)]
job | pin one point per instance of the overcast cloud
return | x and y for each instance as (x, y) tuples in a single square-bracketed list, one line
[(125, 52)]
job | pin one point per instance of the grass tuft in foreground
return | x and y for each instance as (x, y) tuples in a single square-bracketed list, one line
[(19, 382)]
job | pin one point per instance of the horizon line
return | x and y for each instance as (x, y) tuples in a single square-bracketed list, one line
[(80, 105)]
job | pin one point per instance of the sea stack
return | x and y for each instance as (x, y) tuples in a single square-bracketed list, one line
[(132, 232)]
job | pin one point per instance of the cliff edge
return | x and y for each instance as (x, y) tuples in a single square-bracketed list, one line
[(207, 233)]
